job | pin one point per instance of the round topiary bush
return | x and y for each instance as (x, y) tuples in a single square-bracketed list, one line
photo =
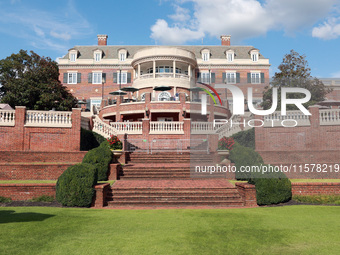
[(100, 158), (274, 189), (75, 186)]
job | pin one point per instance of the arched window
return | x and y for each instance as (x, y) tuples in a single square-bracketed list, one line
[(142, 97), (164, 96)]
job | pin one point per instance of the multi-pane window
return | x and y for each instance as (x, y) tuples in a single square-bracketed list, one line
[(255, 57), (72, 78), (73, 57), (205, 56), (122, 56), (97, 78), (97, 57), (255, 78), (230, 56), (122, 78), (205, 77), (231, 78)]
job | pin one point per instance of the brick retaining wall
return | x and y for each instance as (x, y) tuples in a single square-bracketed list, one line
[(315, 188), (26, 191)]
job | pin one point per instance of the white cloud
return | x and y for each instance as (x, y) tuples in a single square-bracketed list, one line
[(241, 18), (330, 29), (181, 14), (44, 29), (173, 35)]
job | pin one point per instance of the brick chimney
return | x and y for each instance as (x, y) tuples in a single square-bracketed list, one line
[(102, 39), (225, 40)]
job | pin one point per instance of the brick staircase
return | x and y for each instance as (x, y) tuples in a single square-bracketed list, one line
[(163, 179)]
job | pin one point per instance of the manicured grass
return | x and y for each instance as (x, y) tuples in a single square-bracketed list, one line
[(269, 230)]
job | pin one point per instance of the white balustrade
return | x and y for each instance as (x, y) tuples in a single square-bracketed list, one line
[(7, 117), (164, 75), (163, 127), (228, 130), (182, 76), (128, 127), (205, 127), (276, 118), (48, 119), (146, 76), (329, 117), (102, 128)]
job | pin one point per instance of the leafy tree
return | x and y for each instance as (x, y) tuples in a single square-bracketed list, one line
[(33, 81), (295, 72)]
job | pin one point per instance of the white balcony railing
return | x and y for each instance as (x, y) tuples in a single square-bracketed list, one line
[(128, 127), (171, 127), (7, 117), (48, 119), (329, 117), (146, 76), (204, 127), (102, 128), (276, 118), (164, 75)]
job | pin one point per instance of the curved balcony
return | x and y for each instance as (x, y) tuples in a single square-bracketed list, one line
[(164, 53), (168, 79)]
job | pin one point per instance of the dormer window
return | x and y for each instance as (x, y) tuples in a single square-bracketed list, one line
[(205, 55), (97, 55), (254, 55), (73, 54), (230, 55), (122, 54)]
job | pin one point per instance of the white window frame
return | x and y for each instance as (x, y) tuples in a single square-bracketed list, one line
[(205, 77), (255, 56), (122, 56), (72, 77), (230, 56), (124, 77), (255, 77), (160, 96), (205, 56), (97, 77), (97, 56), (73, 57), (230, 77)]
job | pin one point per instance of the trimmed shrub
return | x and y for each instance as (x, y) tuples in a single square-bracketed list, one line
[(246, 138), (75, 186), (243, 156), (5, 199), (90, 140), (271, 187), (275, 188), (318, 199), (100, 158)]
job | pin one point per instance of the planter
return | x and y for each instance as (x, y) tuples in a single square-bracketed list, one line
[(116, 155), (223, 152)]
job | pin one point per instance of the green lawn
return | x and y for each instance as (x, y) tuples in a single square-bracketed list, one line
[(270, 230)]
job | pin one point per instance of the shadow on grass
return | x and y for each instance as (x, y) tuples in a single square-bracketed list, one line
[(8, 216)]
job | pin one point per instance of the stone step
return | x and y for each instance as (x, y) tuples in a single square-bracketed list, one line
[(226, 192), (237, 203), (175, 198)]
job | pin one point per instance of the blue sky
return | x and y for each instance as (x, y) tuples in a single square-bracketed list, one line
[(310, 27)]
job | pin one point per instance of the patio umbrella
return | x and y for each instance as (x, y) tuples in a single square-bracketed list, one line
[(80, 102), (195, 89), (162, 88), (118, 93), (130, 89)]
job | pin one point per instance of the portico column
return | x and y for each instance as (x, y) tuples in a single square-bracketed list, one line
[(154, 69), (189, 71), (174, 68), (138, 71)]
